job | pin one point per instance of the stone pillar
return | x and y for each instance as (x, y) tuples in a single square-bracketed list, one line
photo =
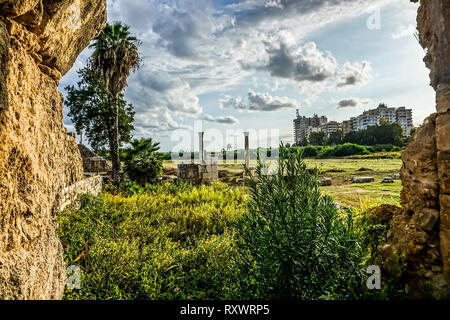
[(201, 152), (247, 151)]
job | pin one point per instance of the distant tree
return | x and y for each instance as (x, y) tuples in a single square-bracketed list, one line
[(317, 138), (384, 121), (115, 56), (385, 133), (335, 138), (91, 109), (288, 145)]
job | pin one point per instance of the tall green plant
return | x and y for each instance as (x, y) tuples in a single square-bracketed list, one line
[(115, 56), (293, 242)]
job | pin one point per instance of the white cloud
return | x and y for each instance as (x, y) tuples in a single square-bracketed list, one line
[(157, 120), (160, 90), (259, 102), (192, 47), (404, 31), (225, 120), (228, 102), (356, 74)]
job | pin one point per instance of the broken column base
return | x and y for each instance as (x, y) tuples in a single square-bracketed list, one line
[(197, 173)]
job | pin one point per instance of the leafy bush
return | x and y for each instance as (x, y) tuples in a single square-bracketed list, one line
[(342, 150), (293, 242), (142, 162), (383, 148), (311, 151), (165, 241)]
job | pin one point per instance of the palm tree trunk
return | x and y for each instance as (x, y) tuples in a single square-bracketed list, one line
[(115, 156)]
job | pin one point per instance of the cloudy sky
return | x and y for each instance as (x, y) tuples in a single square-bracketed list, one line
[(223, 65)]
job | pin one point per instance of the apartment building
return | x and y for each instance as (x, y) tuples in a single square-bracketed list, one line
[(304, 126), (372, 117), (330, 127)]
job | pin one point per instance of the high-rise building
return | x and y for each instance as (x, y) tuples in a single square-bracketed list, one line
[(347, 126), (304, 126), (404, 117), (330, 127)]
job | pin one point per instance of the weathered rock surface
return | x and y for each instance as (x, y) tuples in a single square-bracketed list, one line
[(421, 231), (39, 42)]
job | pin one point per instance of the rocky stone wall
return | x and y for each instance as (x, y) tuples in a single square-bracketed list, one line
[(421, 231), (39, 42)]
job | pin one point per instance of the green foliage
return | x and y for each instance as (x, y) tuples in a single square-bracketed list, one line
[(293, 242), (164, 241), (317, 138), (373, 224), (115, 56), (142, 162), (307, 151), (383, 148), (91, 110), (342, 150), (335, 138), (384, 133)]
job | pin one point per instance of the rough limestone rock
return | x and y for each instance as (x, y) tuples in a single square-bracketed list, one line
[(39, 42), (421, 231)]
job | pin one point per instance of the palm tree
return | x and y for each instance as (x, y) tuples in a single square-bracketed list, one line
[(115, 56)]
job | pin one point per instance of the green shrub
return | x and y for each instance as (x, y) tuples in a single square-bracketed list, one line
[(142, 162), (342, 150), (293, 242), (311, 151)]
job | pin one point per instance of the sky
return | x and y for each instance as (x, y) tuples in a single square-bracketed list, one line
[(228, 66)]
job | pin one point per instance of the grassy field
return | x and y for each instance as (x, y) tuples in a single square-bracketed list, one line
[(360, 194), (341, 171)]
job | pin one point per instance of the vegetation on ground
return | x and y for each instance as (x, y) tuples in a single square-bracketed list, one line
[(159, 242), (280, 237), (293, 240)]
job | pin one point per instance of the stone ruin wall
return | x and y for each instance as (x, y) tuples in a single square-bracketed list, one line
[(39, 42), (196, 173), (70, 195), (421, 231)]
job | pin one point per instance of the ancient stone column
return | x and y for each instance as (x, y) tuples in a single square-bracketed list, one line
[(246, 150), (201, 151)]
